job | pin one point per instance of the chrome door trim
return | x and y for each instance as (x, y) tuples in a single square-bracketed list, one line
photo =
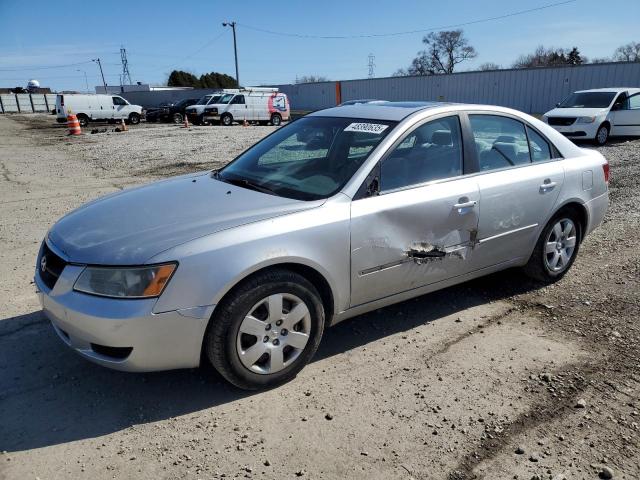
[(483, 240)]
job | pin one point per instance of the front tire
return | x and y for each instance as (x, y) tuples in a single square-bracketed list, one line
[(266, 330), (226, 119), (134, 119), (602, 135), (556, 249), (177, 118)]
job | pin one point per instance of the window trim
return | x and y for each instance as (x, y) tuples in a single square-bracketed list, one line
[(629, 97), (375, 172)]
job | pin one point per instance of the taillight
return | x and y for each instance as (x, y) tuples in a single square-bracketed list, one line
[(605, 169)]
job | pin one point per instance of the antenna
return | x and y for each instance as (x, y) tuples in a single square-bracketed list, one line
[(125, 67), (371, 65)]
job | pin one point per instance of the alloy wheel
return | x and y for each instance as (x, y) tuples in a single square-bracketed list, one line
[(560, 245), (274, 333)]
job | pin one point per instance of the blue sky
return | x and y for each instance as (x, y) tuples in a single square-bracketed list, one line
[(162, 35)]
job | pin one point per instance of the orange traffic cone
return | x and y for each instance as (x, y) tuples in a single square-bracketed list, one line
[(123, 126), (186, 121), (73, 124), (245, 123)]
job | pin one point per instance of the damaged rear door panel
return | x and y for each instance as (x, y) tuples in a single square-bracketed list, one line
[(409, 238)]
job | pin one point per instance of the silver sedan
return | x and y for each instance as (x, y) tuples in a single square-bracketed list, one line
[(341, 212)]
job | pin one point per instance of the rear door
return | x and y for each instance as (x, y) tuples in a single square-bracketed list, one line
[(419, 229), (519, 181), (626, 119)]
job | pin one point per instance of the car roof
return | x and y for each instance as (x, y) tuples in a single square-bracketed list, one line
[(394, 111), (612, 89)]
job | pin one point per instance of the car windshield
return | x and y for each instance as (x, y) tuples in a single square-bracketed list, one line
[(588, 100), (204, 100), (215, 98), (309, 159)]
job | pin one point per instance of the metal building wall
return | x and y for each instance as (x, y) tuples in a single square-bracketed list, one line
[(529, 90)]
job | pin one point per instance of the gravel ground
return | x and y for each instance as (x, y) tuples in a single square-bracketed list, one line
[(499, 378)]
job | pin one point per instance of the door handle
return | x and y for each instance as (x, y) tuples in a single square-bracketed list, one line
[(547, 185), (469, 204)]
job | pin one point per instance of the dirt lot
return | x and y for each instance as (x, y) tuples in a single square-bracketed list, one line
[(499, 378)]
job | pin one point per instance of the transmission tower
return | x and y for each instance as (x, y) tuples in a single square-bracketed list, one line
[(125, 67), (372, 58)]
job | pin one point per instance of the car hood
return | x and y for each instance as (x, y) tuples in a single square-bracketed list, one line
[(130, 227), (575, 112)]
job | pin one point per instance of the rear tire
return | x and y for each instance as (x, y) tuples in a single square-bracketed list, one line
[(177, 118), (134, 118), (276, 119), (266, 330), (83, 120), (556, 249), (226, 119), (602, 135)]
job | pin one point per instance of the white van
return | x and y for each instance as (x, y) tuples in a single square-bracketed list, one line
[(252, 104), (195, 113), (89, 107)]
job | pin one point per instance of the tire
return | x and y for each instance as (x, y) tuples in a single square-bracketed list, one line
[(276, 119), (83, 120), (602, 135), (232, 351), (547, 263), (134, 118), (226, 119), (177, 118)]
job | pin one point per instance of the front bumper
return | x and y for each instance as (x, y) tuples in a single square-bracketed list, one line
[(578, 130), (123, 334)]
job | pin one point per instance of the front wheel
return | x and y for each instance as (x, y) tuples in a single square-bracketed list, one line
[(602, 135), (266, 331), (134, 119), (177, 118), (226, 119), (556, 249)]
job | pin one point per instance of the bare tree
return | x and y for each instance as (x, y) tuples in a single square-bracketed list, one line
[(627, 53), (311, 79), (487, 66), (444, 50)]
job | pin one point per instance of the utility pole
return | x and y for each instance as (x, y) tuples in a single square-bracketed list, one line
[(371, 65), (86, 82), (97, 60), (125, 66), (235, 47)]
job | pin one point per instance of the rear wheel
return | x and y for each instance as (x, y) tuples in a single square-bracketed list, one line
[(134, 118), (602, 135), (276, 119), (556, 249), (266, 331), (83, 120), (226, 119), (177, 118)]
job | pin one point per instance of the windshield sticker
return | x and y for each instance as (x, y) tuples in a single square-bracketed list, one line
[(376, 128)]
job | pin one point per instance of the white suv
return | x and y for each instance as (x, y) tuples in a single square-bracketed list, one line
[(597, 114)]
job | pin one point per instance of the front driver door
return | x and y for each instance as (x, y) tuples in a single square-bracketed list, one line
[(420, 228), (626, 120)]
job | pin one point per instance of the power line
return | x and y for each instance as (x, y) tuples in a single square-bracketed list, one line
[(409, 32), (43, 68)]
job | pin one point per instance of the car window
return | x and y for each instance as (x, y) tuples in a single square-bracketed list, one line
[(432, 151), (501, 142), (538, 146), (310, 158), (588, 100), (238, 99), (634, 102), (118, 101)]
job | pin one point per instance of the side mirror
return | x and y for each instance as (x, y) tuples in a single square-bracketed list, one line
[(373, 188), (616, 106)]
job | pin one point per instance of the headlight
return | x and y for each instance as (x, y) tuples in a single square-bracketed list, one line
[(134, 282), (586, 119)]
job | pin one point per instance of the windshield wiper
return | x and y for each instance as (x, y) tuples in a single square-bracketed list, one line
[(243, 182)]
